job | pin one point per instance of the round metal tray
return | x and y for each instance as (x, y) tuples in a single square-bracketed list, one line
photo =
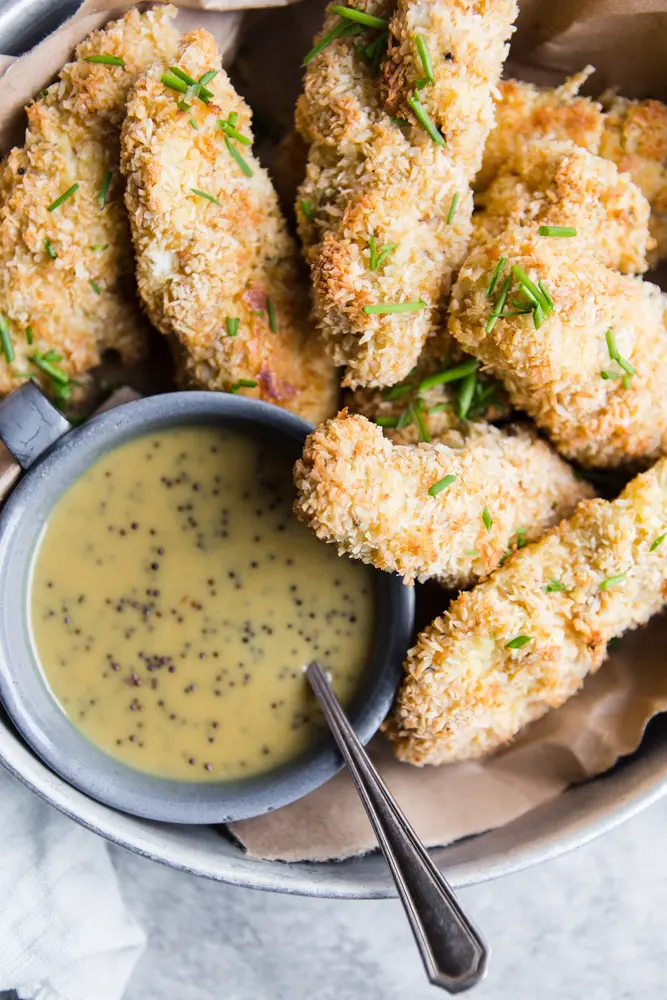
[(572, 819)]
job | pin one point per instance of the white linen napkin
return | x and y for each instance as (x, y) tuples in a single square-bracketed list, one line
[(64, 931)]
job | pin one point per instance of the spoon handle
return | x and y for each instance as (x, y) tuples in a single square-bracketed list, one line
[(452, 950)]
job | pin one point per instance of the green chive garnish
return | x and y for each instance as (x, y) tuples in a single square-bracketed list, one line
[(203, 194), (465, 394), (450, 375), (438, 409), (232, 326), (557, 231), (48, 246), (194, 125), (106, 60), (529, 286), (386, 421), (500, 266), (625, 365), (234, 133), (180, 74), (52, 355), (611, 345), (405, 418), (271, 311), (384, 253), (425, 58), (605, 374), (307, 210), (63, 197), (488, 520), (104, 190), (96, 288), (342, 30), (420, 422), (452, 208), (368, 20), (28, 335), (518, 641), (173, 82), (208, 76), (555, 586), (612, 581), (542, 287), (397, 391), (500, 304), (441, 485), (6, 339), (237, 156), (394, 307), (521, 540), (243, 383), (658, 541), (55, 374), (401, 122), (99, 246), (422, 117)]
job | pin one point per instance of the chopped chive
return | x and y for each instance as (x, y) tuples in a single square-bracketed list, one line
[(397, 391), (55, 374), (234, 133), (104, 190), (233, 117), (394, 307), (243, 383), (488, 520), (384, 253), (106, 60), (342, 30), (420, 422), (438, 409), (658, 541), (545, 292), (237, 156), (271, 311), (401, 122), (465, 394), (611, 345), (50, 249), (557, 231), (378, 259), (500, 304), (386, 421), (99, 246), (232, 326), (194, 125), (305, 207), (368, 20), (452, 208), (52, 355), (521, 540), (627, 381), (203, 194), (515, 312), (625, 365), (6, 339), (499, 268), (405, 418), (422, 117), (425, 58), (518, 641), (63, 197), (538, 316), (555, 586), (180, 74), (28, 335), (529, 286), (605, 374), (208, 76), (612, 581), (450, 375), (441, 485), (95, 287), (173, 82)]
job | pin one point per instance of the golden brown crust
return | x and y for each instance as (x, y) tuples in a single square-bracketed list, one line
[(370, 175), (371, 498), (467, 693), (202, 263), (73, 137)]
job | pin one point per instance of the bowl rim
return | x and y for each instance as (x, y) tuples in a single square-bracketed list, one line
[(31, 705)]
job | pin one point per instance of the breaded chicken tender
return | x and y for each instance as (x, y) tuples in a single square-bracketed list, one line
[(560, 184), (522, 642), (597, 410), (66, 268), (379, 502), (385, 209), (216, 267)]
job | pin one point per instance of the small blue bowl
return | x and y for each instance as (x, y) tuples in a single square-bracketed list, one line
[(55, 456)]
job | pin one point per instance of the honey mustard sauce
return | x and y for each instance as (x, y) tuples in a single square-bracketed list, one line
[(175, 600)]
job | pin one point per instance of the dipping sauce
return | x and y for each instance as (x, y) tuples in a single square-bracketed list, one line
[(175, 600)]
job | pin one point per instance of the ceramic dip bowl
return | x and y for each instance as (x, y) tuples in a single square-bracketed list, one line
[(54, 456)]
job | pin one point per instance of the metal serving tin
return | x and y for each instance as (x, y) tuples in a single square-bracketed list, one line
[(572, 819)]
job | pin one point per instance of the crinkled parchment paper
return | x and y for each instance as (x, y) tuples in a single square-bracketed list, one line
[(627, 41)]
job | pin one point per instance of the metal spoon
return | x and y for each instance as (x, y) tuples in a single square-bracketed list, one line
[(452, 950)]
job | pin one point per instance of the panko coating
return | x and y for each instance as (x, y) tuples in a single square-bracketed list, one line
[(523, 641), (597, 410), (216, 267), (385, 209), (370, 498), (67, 290), (560, 184)]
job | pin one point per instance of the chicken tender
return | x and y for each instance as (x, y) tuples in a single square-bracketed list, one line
[(216, 267), (67, 289), (594, 375), (385, 208), (560, 184), (445, 511), (522, 642)]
